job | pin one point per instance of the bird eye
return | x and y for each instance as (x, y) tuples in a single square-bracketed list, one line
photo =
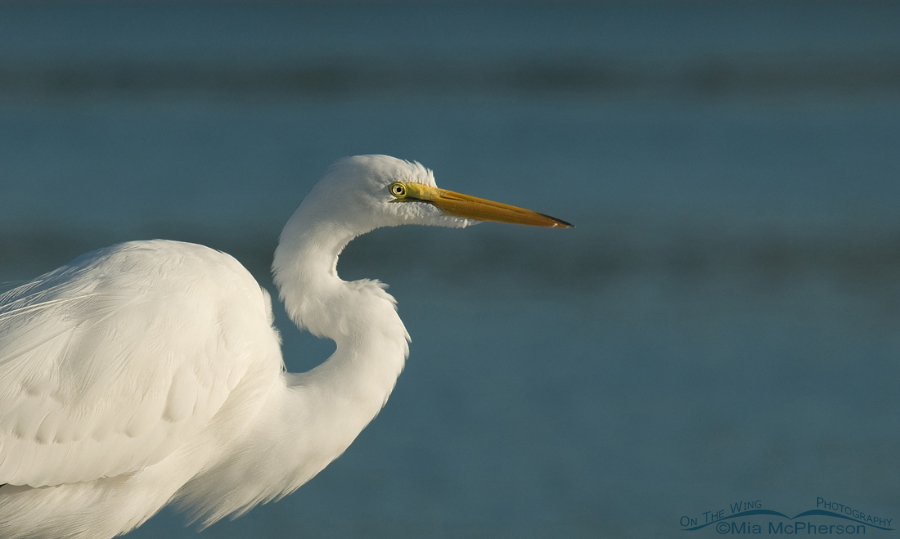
[(398, 189)]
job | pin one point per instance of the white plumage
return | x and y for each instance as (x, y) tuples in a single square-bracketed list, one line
[(150, 372)]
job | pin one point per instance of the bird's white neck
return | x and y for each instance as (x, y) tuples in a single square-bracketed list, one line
[(337, 399), (317, 414)]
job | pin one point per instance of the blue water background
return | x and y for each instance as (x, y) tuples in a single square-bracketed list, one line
[(722, 325)]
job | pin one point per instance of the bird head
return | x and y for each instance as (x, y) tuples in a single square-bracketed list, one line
[(378, 190)]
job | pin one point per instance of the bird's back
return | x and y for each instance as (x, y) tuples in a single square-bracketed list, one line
[(114, 361)]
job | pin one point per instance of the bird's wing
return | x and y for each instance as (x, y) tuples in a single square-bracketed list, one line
[(110, 363)]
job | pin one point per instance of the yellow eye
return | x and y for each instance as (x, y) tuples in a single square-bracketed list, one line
[(398, 189)]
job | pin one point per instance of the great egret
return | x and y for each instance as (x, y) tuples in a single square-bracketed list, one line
[(150, 372)]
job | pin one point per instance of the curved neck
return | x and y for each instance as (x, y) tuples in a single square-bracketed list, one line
[(359, 316), (317, 414)]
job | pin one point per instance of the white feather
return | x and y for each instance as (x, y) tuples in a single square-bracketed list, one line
[(149, 372)]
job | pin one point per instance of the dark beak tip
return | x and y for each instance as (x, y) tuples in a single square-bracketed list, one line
[(559, 223)]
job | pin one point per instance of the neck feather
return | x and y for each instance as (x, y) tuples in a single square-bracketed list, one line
[(352, 386), (317, 414)]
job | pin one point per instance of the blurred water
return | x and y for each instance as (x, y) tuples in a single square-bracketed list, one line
[(722, 323)]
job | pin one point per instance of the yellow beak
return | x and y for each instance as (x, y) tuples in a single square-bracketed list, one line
[(469, 207)]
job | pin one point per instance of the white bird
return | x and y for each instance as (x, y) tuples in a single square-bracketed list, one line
[(150, 372)]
